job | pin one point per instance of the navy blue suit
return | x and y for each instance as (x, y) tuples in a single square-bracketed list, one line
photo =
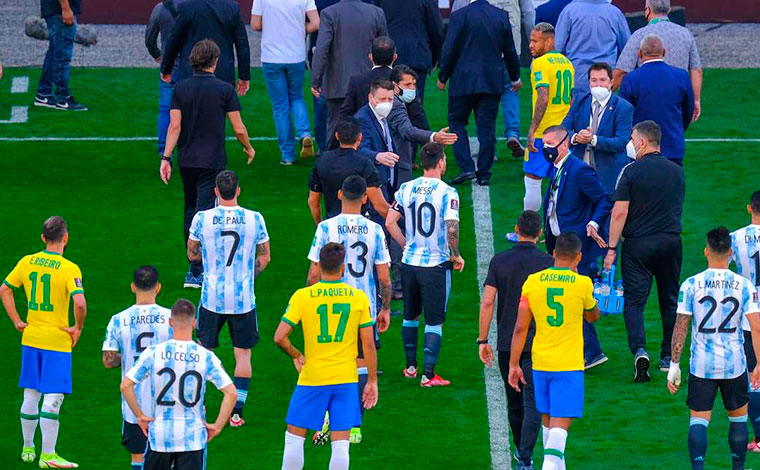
[(663, 94), (417, 29), (613, 134), (373, 142), (478, 44), (580, 199)]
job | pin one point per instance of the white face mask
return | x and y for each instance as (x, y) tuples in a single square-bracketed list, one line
[(407, 96), (630, 150), (600, 93), (383, 109)]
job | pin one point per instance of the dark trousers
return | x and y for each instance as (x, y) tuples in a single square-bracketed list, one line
[(54, 80), (591, 346), (198, 184), (320, 122), (333, 117), (193, 460), (421, 80), (657, 256), (524, 419), (486, 109)]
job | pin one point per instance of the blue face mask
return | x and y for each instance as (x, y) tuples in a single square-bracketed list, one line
[(407, 96)]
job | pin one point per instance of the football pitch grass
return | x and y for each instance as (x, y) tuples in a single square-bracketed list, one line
[(122, 216)]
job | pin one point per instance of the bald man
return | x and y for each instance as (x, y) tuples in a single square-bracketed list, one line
[(661, 93)]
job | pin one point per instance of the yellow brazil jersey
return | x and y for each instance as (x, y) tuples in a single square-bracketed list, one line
[(49, 281), (557, 299), (331, 314), (555, 71)]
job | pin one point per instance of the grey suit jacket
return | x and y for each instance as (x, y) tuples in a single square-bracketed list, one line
[(404, 133), (346, 31)]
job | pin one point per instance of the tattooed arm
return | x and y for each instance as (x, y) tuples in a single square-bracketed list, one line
[(193, 250), (262, 258), (680, 331), (452, 235), (111, 359), (384, 279)]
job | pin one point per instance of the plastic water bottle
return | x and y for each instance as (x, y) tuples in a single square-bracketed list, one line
[(619, 289), (604, 290)]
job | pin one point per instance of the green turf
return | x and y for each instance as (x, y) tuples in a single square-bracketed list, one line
[(122, 216)]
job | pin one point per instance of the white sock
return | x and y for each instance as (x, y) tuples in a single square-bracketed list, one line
[(292, 458), (554, 452), (30, 415), (339, 458), (51, 407), (532, 201), (545, 434)]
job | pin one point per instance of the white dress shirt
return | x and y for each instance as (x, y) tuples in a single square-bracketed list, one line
[(603, 108), (553, 221)]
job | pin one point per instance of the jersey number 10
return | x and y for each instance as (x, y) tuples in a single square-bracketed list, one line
[(564, 87)]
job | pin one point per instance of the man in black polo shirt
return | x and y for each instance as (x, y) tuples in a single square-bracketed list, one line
[(506, 275), (334, 166), (199, 107), (647, 213)]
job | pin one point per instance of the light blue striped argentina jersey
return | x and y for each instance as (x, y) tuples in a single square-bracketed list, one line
[(746, 245), (426, 203), (229, 236), (717, 300), (177, 372), (130, 333), (365, 247)]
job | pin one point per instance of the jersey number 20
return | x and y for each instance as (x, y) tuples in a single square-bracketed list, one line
[(182, 384)]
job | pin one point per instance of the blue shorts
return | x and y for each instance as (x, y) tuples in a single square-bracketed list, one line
[(535, 164), (309, 404), (45, 371), (559, 394)]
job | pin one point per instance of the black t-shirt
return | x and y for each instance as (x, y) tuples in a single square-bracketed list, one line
[(507, 273), (655, 188), (53, 7), (332, 168), (204, 101)]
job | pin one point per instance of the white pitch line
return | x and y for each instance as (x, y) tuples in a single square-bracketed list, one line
[(496, 397), (151, 138), (19, 115), (20, 85)]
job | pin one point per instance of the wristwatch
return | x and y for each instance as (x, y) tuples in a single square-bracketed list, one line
[(482, 341), (166, 159), (611, 248)]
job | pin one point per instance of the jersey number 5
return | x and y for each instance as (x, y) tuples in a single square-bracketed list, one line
[(559, 311), (344, 310)]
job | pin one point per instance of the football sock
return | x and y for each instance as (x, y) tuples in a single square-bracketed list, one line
[(532, 199), (697, 442), (410, 335), (363, 378), (433, 338), (737, 440), (241, 384), (137, 466), (754, 412), (554, 452), (292, 457), (30, 415), (545, 434), (339, 457), (51, 407)]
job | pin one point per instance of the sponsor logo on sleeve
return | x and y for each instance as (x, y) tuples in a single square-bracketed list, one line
[(77, 282), (455, 204)]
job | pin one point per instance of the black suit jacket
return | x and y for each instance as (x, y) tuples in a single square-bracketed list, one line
[(416, 28), (358, 89), (478, 42), (218, 20)]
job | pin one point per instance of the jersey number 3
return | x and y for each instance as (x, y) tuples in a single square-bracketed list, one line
[(559, 311)]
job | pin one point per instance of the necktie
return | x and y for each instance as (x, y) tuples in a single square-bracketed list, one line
[(389, 144), (589, 156)]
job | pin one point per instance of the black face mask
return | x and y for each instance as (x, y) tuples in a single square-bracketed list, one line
[(552, 153)]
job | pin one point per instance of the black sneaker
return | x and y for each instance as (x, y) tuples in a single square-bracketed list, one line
[(70, 104), (44, 101), (641, 366)]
